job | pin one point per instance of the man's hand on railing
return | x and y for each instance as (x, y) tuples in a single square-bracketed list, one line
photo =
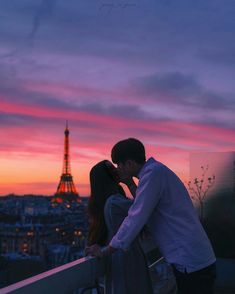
[(97, 251)]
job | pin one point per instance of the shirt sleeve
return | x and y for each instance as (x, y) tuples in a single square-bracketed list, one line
[(148, 194)]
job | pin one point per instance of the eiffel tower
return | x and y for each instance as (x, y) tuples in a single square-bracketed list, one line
[(66, 191)]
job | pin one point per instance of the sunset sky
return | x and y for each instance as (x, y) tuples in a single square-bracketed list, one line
[(158, 70)]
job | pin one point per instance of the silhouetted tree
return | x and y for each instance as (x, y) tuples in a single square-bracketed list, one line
[(199, 189)]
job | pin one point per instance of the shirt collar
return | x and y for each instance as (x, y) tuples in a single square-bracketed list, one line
[(147, 163)]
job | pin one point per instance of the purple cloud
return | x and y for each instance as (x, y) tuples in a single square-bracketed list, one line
[(181, 89)]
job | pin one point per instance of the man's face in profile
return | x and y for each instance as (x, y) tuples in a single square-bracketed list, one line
[(126, 169)]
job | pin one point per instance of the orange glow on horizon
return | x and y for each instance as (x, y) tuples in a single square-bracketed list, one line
[(35, 165), (41, 175)]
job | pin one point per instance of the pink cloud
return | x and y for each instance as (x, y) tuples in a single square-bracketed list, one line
[(175, 132), (93, 135)]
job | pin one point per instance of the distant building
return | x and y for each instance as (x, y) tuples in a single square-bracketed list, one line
[(28, 225), (220, 164)]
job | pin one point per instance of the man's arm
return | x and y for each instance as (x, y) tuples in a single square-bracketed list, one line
[(148, 194)]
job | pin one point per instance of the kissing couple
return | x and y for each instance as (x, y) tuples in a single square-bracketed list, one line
[(161, 204)]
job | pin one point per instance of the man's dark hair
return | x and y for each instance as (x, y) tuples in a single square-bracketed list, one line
[(128, 149)]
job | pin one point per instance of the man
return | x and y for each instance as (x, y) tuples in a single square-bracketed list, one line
[(162, 202)]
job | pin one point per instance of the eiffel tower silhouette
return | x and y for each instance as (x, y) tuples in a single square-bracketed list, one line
[(66, 190)]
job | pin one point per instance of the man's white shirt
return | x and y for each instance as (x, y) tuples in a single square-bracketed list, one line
[(163, 204)]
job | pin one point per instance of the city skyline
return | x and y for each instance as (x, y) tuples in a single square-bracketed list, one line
[(159, 71)]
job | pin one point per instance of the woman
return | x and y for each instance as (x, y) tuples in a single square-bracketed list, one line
[(107, 207)]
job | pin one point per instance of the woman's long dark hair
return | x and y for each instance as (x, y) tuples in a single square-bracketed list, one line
[(103, 185)]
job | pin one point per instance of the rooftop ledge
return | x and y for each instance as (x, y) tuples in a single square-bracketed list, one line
[(83, 272), (63, 279), (68, 277)]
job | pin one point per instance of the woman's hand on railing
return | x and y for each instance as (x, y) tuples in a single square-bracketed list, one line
[(94, 250), (97, 251)]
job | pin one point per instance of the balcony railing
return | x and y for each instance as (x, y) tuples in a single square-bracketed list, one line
[(64, 279), (84, 272)]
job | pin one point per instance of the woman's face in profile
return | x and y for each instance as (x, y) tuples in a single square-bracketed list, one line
[(112, 171)]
